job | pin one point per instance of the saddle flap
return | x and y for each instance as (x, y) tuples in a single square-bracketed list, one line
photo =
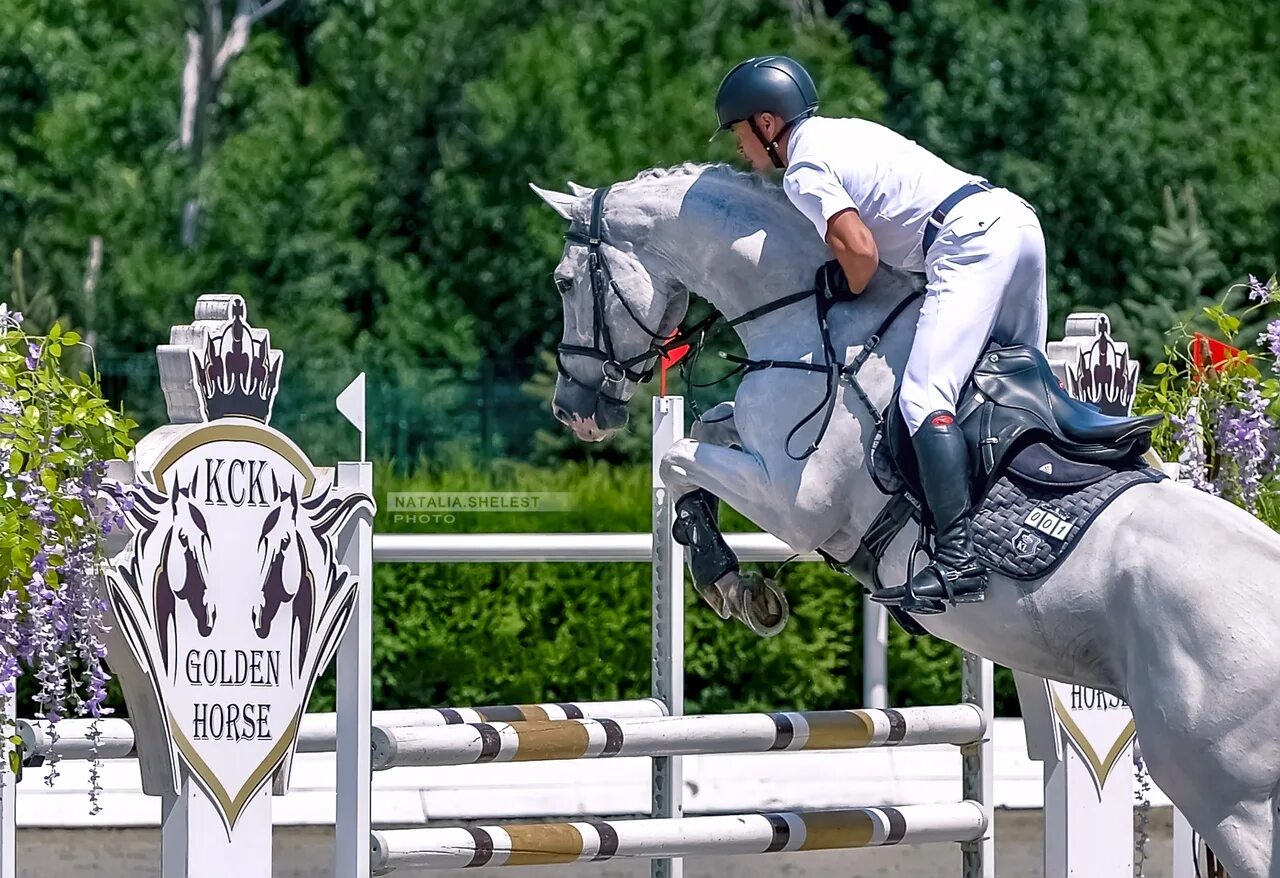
[(1038, 464)]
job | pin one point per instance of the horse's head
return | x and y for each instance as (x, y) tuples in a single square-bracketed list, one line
[(189, 576), (281, 570), (286, 571), (616, 313)]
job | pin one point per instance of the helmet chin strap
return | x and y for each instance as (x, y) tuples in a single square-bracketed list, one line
[(770, 146)]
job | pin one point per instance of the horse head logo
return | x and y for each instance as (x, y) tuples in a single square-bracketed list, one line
[(183, 575), (286, 574)]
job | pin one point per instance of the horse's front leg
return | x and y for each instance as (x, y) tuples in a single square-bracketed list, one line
[(716, 426), (698, 473)]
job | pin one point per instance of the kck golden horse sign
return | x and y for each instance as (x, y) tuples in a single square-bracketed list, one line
[(229, 596)]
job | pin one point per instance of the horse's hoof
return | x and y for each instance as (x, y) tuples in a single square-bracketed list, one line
[(764, 608), (753, 600)]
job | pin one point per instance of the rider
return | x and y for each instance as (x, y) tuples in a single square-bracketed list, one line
[(875, 196)]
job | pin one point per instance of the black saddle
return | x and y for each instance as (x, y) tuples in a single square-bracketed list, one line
[(1019, 423), (1012, 401)]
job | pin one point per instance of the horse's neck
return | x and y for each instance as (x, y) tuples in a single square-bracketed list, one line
[(740, 247), (732, 242)]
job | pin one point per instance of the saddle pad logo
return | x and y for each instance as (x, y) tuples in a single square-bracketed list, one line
[(1053, 524), (1026, 544)]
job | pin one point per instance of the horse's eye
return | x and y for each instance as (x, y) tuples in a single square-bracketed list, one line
[(564, 286)]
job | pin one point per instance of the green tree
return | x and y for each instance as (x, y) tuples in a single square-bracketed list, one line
[(1184, 262), (1089, 109)]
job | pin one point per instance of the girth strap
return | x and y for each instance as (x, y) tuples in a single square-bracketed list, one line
[(888, 523)]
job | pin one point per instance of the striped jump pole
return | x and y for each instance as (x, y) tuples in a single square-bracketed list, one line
[(318, 731), (533, 844), (316, 734), (473, 743)]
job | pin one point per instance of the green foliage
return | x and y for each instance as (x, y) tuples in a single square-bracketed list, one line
[(56, 432), (53, 425), (1184, 262), (1223, 410), (1089, 109)]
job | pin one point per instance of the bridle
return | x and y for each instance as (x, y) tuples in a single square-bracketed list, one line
[(616, 373)]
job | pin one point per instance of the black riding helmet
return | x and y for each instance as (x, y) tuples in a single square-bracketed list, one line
[(768, 84)]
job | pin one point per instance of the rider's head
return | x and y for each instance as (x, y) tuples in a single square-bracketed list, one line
[(760, 100)]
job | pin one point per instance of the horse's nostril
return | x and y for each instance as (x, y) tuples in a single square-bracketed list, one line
[(561, 413)]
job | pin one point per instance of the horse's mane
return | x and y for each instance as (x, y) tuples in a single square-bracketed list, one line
[(718, 171)]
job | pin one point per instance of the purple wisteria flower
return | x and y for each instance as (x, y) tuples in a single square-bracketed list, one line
[(52, 619), (1270, 339), (1193, 464), (9, 319), (1245, 438), (1261, 291)]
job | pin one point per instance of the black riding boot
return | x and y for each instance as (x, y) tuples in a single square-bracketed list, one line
[(956, 574)]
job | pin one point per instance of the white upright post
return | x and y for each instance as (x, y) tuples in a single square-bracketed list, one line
[(355, 699), (1184, 848), (1085, 740), (668, 622), (193, 843), (978, 765), (1086, 832), (8, 793), (875, 654)]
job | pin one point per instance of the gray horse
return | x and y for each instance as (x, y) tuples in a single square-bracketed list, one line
[(1169, 600)]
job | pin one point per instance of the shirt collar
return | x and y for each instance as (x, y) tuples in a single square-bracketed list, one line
[(791, 139)]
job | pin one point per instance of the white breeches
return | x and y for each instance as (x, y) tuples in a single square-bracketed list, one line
[(986, 281)]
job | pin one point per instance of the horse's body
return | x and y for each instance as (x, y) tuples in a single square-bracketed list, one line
[(1168, 601)]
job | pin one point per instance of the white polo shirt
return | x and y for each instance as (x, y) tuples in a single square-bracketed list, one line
[(892, 181)]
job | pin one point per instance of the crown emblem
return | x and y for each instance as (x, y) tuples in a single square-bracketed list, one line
[(1093, 366), (219, 366)]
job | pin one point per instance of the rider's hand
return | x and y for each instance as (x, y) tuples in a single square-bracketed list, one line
[(831, 283)]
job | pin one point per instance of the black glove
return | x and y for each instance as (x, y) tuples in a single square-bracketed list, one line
[(831, 283)]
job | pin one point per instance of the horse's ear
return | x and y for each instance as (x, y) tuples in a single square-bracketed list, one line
[(580, 190), (561, 202)]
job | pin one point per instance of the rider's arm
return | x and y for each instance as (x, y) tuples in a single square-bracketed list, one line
[(818, 193), (854, 248)]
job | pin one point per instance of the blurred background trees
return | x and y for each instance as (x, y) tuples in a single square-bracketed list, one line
[(358, 168)]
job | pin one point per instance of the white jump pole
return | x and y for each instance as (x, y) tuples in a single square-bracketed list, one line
[(667, 659), (470, 744), (533, 844), (355, 697), (1185, 856)]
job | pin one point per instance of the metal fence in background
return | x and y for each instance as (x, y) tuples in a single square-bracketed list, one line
[(427, 414)]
